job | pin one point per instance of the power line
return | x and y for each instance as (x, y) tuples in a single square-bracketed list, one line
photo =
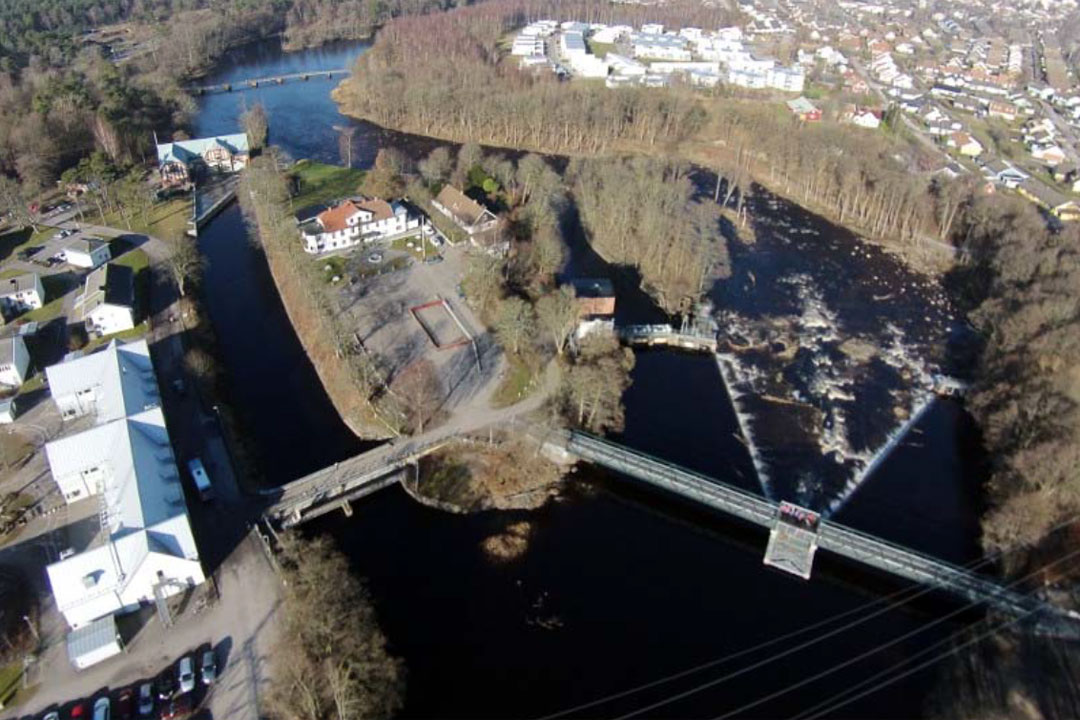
[(921, 666), (894, 641)]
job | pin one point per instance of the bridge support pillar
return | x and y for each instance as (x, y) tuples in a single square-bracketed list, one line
[(346, 508)]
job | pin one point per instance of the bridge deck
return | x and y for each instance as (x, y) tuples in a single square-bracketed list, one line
[(832, 536)]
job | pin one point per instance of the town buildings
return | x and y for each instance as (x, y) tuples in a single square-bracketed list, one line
[(180, 161), (146, 550), (469, 215), (357, 221)]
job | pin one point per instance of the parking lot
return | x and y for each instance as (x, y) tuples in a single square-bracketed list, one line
[(394, 317)]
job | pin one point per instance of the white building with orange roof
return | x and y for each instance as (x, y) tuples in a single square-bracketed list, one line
[(354, 222)]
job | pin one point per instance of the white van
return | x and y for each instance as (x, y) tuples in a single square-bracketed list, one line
[(202, 480)]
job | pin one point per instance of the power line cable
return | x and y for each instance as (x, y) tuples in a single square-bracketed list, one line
[(890, 643), (884, 646), (915, 591), (921, 666)]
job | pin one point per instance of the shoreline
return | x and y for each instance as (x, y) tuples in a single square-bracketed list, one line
[(921, 259)]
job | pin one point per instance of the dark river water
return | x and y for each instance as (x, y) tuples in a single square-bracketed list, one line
[(621, 585)]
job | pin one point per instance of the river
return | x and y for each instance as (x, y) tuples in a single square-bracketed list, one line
[(620, 585)]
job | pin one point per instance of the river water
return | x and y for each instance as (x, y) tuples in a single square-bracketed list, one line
[(620, 585)]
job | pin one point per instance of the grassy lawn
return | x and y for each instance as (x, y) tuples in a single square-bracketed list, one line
[(165, 219), (516, 385), (133, 334), (599, 49), (416, 250), (320, 183), (136, 259), (331, 267), (11, 689), (37, 382), (12, 241)]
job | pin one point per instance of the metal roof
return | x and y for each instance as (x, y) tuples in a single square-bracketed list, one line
[(92, 636)]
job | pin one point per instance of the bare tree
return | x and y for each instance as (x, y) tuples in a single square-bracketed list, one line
[(186, 264), (557, 313), (419, 387), (256, 125), (346, 136), (515, 323)]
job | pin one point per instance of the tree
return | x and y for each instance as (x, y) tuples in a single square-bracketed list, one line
[(418, 385), (13, 201), (437, 166), (594, 385), (515, 323), (482, 282), (185, 262), (557, 313), (331, 661), (470, 155), (384, 180), (346, 136), (256, 125)]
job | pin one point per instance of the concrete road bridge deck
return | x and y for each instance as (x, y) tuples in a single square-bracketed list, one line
[(253, 83)]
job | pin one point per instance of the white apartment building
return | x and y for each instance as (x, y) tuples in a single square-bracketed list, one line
[(146, 551), (107, 302), (14, 361), (87, 252), (354, 222)]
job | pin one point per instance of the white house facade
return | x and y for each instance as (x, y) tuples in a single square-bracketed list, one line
[(146, 551), (21, 293), (87, 253), (354, 222), (107, 302), (14, 361)]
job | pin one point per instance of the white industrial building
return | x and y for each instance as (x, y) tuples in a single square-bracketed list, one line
[(660, 47), (87, 252), (107, 302), (146, 551)]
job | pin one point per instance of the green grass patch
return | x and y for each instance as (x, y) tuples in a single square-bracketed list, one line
[(135, 259), (332, 267), (37, 382), (12, 240), (318, 183), (133, 334), (165, 219), (11, 689), (11, 273), (417, 250), (518, 383), (599, 49)]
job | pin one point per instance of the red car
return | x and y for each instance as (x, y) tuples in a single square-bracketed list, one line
[(179, 707), (78, 711)]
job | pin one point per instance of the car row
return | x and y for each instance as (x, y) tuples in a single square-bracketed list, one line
[(170, 695)]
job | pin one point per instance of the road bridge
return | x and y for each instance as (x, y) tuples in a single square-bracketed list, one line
[(830, 536), (271, 80)]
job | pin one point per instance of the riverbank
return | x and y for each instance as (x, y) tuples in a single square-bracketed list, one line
[(307, 307)]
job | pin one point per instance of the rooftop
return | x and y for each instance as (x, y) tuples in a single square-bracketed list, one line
[(121, 377), (19, 283), (460, 205), (184, 151), (109, 284)]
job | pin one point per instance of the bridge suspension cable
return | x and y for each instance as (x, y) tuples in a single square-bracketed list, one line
[(846, 663), (894, 600)]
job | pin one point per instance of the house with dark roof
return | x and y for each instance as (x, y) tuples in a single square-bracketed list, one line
[(223, 153), (469, 215), (107, 302), (357, 221)]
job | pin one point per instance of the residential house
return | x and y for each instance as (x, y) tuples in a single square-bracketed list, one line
[(1002, 109), (87, 252), (14, 361), (9, 410), (803, 109), (107, 302), (469, 215), (357, 221), (21, 293), (1004, 173), (862, 117), (595, 297), (964, 144), (1062, 207), (1050, 155), (177, 161)]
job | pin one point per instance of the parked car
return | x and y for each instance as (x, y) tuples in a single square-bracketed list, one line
[(165, 685), (185, 674), (28, 252), (178, 707), (78, 712), (209, 668), (125, 704), (51, 716), (102, 708), (146, 700)]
